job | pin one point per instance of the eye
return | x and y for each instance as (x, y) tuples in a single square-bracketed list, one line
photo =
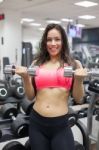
[(57, 39), (49, 39)]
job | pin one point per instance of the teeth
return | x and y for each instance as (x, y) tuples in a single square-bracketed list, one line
[(54, 49)]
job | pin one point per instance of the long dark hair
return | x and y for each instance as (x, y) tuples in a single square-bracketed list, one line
[(43, 55)]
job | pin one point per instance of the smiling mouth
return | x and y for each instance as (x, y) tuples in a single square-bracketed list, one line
[(53, 49)]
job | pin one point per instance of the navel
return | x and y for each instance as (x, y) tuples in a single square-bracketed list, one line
[(47, 106)]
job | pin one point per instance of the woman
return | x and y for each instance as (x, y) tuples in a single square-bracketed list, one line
[(49, 129)]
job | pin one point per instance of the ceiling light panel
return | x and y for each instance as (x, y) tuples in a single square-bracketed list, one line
[(80, 25), (66, 20), (1, 1), (86, 4), (35, 24), (41, 29), (87, 17), (27, 20), (53, 21)]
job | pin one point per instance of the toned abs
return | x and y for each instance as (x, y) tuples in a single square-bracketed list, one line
[(52, 102)]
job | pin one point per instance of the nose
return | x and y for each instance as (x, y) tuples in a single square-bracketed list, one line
[(53, 42)]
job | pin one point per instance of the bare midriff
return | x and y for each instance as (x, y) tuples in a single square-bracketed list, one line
[(52, 102)]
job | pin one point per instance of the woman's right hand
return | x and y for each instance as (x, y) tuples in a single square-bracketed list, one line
[(22, 71)]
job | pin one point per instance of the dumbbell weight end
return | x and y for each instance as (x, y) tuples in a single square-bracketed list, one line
[(9, 69), (32, 70), (68, 71)]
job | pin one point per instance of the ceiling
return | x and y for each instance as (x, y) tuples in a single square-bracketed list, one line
[(41, 10)]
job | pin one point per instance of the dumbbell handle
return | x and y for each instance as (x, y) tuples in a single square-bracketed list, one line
[(4, 121), (12, 116), (32, 70), (68, 72)]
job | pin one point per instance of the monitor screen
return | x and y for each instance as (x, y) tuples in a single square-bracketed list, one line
[(74, 31)]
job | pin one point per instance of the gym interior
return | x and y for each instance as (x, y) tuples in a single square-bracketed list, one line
[(22, 23)]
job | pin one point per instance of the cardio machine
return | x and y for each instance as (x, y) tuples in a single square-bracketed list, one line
[(94, 89)]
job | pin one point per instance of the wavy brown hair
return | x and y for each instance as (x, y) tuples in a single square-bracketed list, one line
[(43, 55)]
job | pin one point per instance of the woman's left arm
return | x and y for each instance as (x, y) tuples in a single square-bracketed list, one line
[(78, 86)]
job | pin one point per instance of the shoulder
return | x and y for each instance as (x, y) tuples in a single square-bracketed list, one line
[(78, 64)]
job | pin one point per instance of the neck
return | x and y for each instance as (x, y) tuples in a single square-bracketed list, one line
[(54, 59)]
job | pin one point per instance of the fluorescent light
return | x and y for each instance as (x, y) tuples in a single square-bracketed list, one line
[(1, 1), (41, 29), (80, 25), (35, 24), (66, 20), (86, 4), (27, 20), (87, 17), (53, 21)]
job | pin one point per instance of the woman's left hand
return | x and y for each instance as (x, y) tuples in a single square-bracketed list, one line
[(80, 73)]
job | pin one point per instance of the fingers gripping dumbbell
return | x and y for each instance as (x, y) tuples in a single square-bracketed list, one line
[(68, 71), (19, 125), (10, 69)]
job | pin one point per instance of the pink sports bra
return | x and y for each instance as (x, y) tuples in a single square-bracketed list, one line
[(47, 78)]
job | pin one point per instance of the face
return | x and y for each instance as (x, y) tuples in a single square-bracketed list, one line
[(54, 42)]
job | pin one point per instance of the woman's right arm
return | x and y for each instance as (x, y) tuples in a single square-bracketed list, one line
[(27, 81)]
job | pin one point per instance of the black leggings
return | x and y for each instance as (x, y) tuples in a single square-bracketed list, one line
[(50, 133)]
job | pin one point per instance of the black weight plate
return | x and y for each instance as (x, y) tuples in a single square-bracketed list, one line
[(14, 145), (19, 92), (7, 109), (72, 119), (82, 113), (6, 135), (26, 105), (27, 145), (0, 134), (94, 86), (20, 127), (12, 100), (3, 93)]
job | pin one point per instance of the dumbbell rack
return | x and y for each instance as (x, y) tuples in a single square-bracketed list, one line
[(12, 100), (26, 105), (5, 128), (5, 125)]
